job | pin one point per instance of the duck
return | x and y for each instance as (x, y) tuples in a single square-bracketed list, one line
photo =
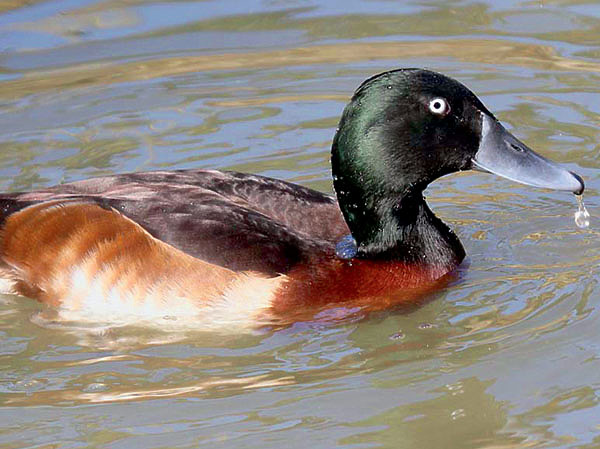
[(224, 248)]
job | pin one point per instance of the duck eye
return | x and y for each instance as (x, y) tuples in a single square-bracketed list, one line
[(439, 106)]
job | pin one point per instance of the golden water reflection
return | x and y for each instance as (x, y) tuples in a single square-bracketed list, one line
[(542, 57)]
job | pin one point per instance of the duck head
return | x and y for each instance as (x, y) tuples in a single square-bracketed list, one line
[(405, 128)]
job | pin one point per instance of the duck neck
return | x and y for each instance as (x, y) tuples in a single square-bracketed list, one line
[(395, 225)]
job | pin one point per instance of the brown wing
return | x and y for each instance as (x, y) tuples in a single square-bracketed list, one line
[(238, 221)]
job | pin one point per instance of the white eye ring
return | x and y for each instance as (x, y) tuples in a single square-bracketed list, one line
[(439, 106)]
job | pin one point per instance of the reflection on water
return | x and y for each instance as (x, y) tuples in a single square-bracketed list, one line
[(468, 50), (506, 356)]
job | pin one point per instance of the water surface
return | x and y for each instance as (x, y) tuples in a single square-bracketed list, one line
[(507, 356)]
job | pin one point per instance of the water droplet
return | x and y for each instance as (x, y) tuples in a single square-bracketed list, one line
[(458, 413), (455, 389), (397, 336), (28, 386), (582, 216), (95, 387)]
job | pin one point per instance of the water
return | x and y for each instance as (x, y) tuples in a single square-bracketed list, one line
[(506, 356)]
